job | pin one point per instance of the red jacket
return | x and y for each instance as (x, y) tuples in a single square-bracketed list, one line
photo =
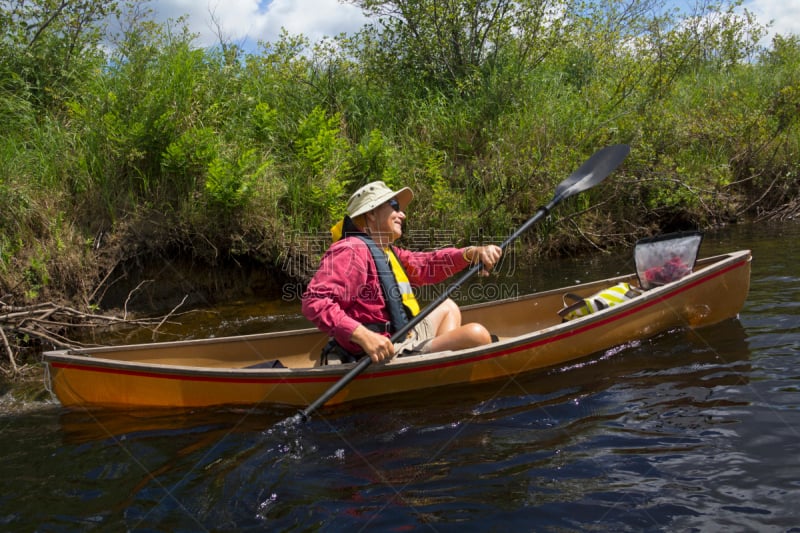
[(346, 292)]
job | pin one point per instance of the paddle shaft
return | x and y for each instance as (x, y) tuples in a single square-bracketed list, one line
[(592, 172)]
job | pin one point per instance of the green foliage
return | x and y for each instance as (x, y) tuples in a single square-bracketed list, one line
[(264, 122), (318, 143), (371, 157), (321, 172), (229, 184), (14, 207), (190, 153), (49, 47), (481, 106), (781, 66), (444, 198)]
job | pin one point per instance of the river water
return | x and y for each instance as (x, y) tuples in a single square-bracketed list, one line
[(689, 431)]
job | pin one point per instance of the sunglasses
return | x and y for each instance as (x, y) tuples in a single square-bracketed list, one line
[(394, 204)]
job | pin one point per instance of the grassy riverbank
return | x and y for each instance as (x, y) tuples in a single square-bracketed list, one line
[(133, 156)]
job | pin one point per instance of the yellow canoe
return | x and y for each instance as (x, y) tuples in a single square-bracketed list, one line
[(532, 336)]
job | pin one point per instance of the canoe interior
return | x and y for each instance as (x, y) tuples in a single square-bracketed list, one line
[(301, 348)]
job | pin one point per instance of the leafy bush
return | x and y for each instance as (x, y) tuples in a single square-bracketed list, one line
[(482, 108)]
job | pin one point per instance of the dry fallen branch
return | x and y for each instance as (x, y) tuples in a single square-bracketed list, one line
[(10, 353), (166, 317), (50, 324)]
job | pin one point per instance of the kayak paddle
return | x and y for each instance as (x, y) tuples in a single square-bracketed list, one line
[(591, 173)]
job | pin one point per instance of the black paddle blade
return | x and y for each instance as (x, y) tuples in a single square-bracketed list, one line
[(592, 172)]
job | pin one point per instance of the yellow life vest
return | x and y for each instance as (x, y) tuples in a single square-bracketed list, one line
[(337, 230), (407, 293), (609, 297)]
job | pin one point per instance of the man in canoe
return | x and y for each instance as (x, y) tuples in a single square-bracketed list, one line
[(347, 297)]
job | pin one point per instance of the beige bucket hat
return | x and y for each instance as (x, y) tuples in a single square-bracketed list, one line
[(374, 194)]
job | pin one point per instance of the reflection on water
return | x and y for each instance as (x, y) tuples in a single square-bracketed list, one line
[(235, 318), (692, 430)]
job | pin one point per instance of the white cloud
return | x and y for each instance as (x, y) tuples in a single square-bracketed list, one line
[(247, 22), (784, 15)]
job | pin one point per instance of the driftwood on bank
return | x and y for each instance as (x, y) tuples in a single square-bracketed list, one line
[(48, 325)]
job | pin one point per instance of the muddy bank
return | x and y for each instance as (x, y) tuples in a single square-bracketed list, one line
[(154, 285)]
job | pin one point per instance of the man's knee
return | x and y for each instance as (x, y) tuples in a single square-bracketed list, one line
[(477, 334)]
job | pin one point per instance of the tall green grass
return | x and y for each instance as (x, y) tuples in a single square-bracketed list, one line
[(162, 146)]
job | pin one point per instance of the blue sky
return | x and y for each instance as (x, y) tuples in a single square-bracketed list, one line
[(247, 21)]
